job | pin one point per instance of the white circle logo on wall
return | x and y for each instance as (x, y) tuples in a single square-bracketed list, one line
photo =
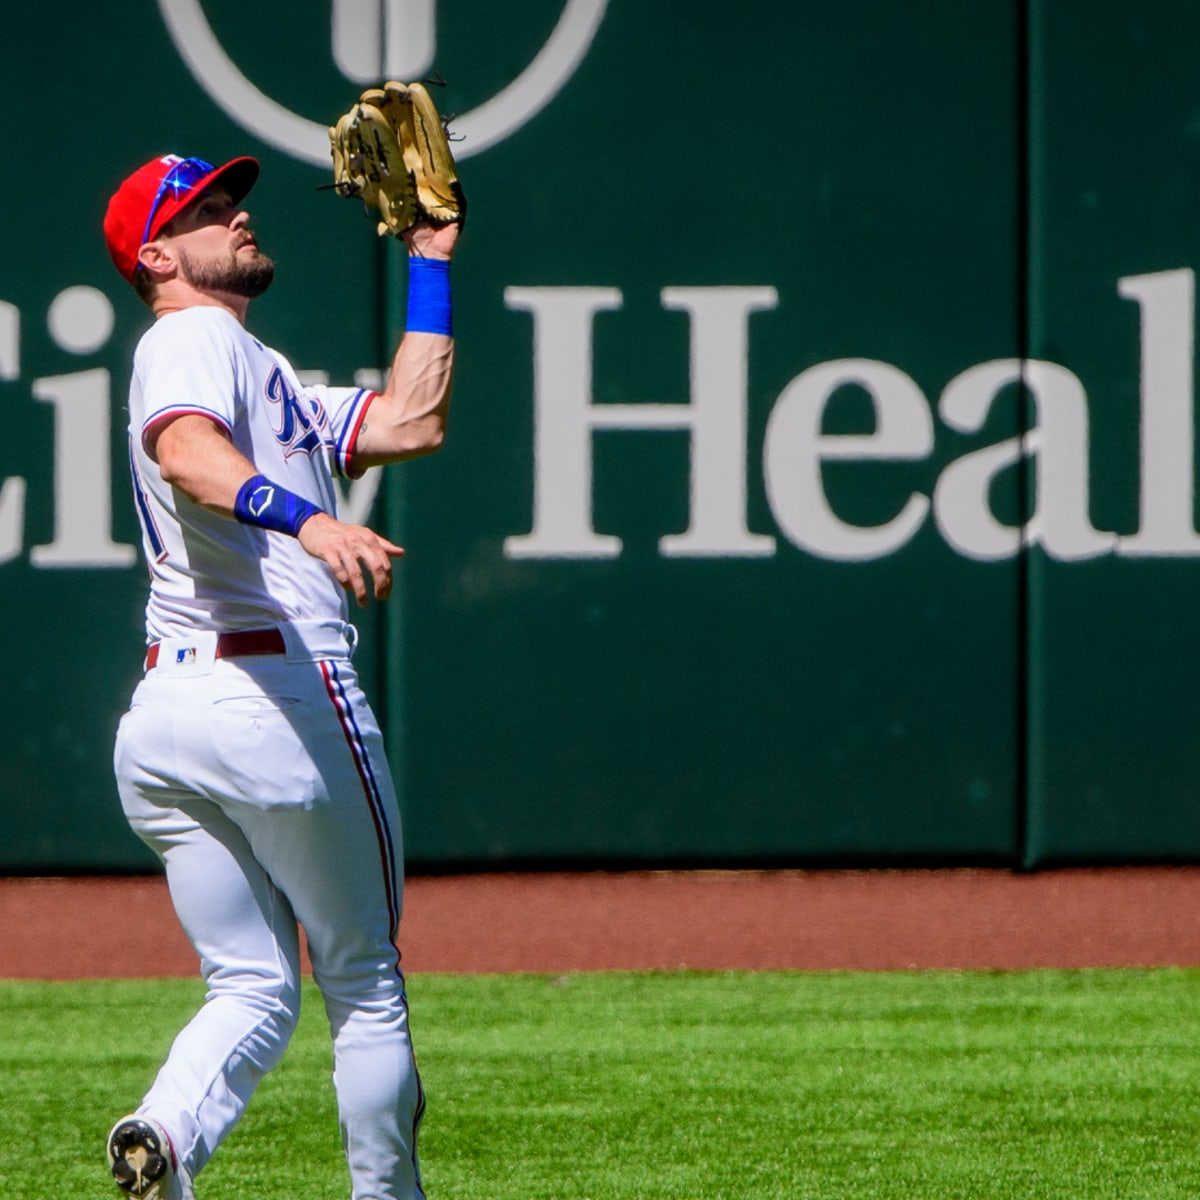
[(390, 56)]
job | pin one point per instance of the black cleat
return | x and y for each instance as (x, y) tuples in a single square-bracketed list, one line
[(142, 1159)]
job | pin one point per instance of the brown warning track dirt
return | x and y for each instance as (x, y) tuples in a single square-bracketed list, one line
[(79, 928)]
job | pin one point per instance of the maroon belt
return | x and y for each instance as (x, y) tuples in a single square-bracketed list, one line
[(230, 645)]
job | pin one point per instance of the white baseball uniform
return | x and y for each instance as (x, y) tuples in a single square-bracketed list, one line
[(261, 780)]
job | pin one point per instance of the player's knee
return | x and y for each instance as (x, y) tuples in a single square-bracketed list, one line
[(277, 1012), (268, 1000)]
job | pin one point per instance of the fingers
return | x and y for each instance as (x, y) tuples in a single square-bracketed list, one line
[(348, 570), (360, 559), (364, 566)]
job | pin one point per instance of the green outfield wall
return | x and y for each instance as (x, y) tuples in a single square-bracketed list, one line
[(820, 485)]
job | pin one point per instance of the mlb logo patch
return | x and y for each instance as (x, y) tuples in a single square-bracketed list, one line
[(188, 656)]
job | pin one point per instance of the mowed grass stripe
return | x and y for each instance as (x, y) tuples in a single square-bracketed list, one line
[(616, 1086)]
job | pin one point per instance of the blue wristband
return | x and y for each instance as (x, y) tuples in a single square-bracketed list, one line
[(265, 504), (429, 307)]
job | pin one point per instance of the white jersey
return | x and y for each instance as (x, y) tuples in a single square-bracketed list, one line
[(206, 571)]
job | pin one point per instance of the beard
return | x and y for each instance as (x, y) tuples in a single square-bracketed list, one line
[(248, 277)]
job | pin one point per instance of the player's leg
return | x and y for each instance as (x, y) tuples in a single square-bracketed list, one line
[(245, 933), (339, 860)]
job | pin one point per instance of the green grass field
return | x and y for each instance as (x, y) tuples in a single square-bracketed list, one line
[(792, 1086)]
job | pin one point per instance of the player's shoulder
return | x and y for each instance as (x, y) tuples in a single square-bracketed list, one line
[(201, 329)]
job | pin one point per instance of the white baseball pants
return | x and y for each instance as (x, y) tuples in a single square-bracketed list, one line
[(262, 784)]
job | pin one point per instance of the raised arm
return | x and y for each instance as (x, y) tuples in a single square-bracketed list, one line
[(409, 416)]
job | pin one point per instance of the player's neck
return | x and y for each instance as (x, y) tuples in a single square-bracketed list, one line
[(176, 298)]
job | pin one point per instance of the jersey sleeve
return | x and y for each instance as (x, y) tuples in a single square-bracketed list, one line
[(347, 409), (188, 365)]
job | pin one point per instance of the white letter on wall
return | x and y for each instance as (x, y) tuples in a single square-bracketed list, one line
[(795, 448), (82, 474), (565, 418)]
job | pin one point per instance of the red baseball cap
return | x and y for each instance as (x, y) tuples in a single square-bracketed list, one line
[(161, 189)]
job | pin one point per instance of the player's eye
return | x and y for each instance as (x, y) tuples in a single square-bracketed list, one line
[(214, 206)]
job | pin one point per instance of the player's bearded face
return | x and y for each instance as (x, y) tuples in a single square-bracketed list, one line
[(235, 273)]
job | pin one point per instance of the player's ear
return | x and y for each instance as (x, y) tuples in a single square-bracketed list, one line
[(158, 258)]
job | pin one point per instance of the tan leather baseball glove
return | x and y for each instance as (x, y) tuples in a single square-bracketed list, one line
[(391, 150)]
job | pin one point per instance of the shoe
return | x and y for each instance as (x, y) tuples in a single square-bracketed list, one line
[(142, 1159)]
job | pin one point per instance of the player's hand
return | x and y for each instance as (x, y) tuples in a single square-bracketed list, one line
[(432, 239), (353, 553)]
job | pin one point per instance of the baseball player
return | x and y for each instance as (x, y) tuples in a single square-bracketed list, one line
[(249, 759)]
